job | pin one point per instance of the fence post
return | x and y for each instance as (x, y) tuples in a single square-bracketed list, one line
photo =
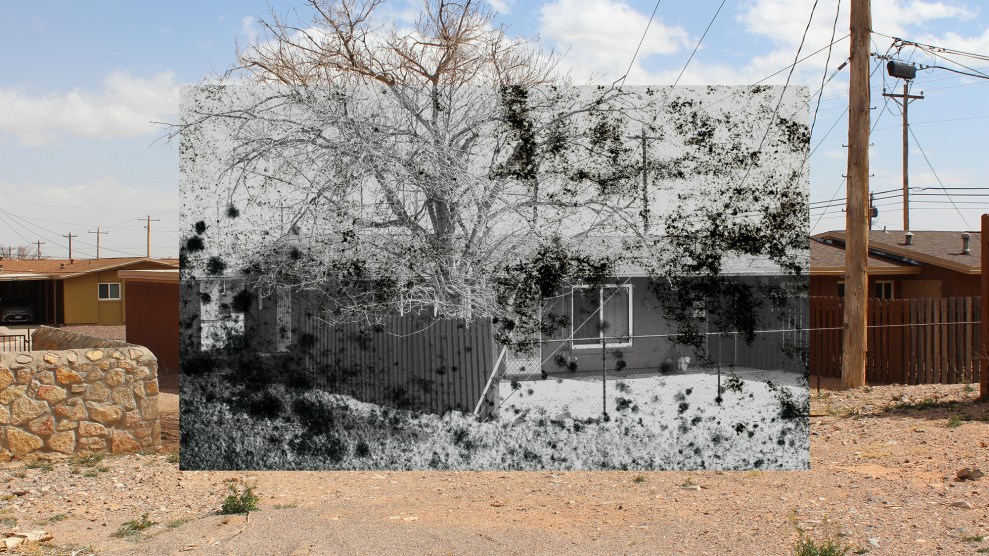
[(984, 319)]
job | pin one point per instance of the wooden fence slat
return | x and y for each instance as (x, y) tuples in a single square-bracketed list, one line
[(910, 341)]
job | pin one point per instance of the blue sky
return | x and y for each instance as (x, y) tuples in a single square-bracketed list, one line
[(83, 82)]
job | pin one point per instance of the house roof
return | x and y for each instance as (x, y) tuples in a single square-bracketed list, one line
[(60, 269), (933, 247), (635, 263), (163, 275), (829, 260)]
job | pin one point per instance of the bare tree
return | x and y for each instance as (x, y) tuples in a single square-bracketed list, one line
[(408, 154), (412, 166)]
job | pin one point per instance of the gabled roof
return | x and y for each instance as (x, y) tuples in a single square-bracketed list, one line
[(829, 260), (932, 247), (61, 269)]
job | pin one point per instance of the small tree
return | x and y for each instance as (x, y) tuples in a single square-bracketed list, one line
[(440, 164)]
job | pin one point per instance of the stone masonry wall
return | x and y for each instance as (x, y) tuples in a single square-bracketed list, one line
[(95, 399)]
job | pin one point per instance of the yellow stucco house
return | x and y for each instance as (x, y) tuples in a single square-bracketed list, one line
[(72, 291)]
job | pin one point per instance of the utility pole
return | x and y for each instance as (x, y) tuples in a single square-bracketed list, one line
[(98, 234), (857, 194), (148, 226), (70, 236), (645, 180), (40, 243), (904, 101)]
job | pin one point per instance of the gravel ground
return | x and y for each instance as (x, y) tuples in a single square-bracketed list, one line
[(883, 466)]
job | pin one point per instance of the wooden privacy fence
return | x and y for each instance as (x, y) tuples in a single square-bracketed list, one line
[(910, 341), (410, 362)]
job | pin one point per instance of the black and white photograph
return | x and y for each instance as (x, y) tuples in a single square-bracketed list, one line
[(453, 258)]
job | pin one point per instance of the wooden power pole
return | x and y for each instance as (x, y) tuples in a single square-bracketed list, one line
[(70, 236), (984, 326), (904, 101), (857, 195), (645, 180), (148, 226), (98, 234)]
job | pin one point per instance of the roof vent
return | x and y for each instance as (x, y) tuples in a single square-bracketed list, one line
[(966, 238), (908, 239)]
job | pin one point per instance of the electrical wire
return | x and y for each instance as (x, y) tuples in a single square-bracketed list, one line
[(710, 23), (916, 142), (74, 173), (824, 81), (779, 102), (641, 40)]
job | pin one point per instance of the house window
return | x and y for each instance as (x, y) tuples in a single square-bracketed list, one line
[(109, 291), (601, 315), (883, 289)]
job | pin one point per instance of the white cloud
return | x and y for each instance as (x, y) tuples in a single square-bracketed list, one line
[(125, 108), (602, 35), (248, 29), (502, 6)]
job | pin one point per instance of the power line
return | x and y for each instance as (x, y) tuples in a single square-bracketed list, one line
[(824, 81), (698, 45), (916, 142), (779, 102), (641, 40), (70, 172), (936, 49), (843, 179)]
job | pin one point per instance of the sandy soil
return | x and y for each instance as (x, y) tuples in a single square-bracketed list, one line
[(883, 475)]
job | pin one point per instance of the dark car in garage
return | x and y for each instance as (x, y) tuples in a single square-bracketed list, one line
[(16, 311)]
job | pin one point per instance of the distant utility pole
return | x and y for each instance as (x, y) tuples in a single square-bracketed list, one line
[(70, 236), (40, 243), (98, 234), (857, 195), (645, 179), (148, 226), (903, 100)]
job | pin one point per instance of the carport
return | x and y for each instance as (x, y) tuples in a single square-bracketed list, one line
[(39, 291)]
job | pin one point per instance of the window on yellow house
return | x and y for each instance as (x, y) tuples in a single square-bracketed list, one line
[(109, 291)]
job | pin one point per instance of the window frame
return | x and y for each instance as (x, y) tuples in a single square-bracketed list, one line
[(892, 288), (108, 291), (600, 312)]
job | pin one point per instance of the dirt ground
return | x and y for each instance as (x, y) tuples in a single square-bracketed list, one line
[(884, 463)]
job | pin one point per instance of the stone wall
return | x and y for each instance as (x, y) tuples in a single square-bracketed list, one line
[(65, 398)]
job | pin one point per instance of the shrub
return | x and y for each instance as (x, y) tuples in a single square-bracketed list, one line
[(240, 502), (312, 413), (734, 384), (134, 527), (325, 446), (807, 546), (265, 405)]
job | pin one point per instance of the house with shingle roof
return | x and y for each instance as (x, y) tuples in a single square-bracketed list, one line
[(918, 264), (72, 291)]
